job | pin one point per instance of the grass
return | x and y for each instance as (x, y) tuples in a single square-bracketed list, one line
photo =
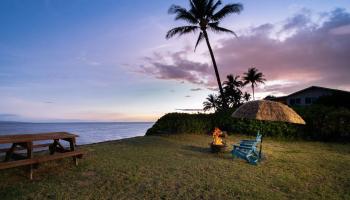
[(181, 167)]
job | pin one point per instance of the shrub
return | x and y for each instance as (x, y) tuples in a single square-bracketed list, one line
[(175, 123), (322, 123), (326, 123)]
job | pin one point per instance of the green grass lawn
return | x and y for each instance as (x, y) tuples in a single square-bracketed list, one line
[(181, 167)]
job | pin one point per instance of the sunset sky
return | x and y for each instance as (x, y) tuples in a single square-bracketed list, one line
[(108, 60)]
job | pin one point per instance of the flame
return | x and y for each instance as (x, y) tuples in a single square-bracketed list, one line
[(216, 137)]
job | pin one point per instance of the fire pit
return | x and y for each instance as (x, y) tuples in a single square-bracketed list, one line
[(218, 145)]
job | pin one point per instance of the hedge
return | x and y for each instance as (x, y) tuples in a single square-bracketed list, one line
[(323, 123)]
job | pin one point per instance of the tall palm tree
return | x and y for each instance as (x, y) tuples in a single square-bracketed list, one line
[(201, 16), (211, 103), (253, 77)]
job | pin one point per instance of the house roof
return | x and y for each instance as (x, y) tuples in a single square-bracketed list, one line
[(283, 98), (317, 87)]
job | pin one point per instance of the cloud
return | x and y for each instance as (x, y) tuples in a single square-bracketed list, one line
[(311, 56), (196, 89), (189, 110), (176, 66), (302, 19), (307, 53), (9, 117), (98, 116)]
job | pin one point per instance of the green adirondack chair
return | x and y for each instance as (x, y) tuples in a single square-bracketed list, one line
[(248, 150)]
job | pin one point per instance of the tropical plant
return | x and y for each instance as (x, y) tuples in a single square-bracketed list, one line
[(203, 15), (246, 96), (232, 91), (233, 81), (211, 103), (253, 77)]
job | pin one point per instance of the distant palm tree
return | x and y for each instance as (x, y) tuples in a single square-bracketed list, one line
[(201, 16), (211, 103), (253, 77), (246, 96), (233, 81), (232, 90)]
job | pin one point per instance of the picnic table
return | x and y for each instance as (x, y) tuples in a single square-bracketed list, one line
[(25, 142)]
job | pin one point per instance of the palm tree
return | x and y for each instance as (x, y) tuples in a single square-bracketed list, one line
[(233, 82), (253, 77), (246, 96), (232, 90), (201, 16), (211, 103)]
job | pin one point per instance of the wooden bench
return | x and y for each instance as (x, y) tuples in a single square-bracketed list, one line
[(25, 142), (11, 164), (22, 148)]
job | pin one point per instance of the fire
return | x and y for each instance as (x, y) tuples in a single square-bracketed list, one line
[(216, 137)]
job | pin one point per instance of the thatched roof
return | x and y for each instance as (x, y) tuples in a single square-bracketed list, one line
[(268, 110)]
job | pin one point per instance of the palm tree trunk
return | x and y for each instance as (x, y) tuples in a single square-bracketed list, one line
[(215, 67), (253, 92)]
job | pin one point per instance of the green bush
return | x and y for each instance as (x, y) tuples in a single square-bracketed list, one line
[(322, 123), (175, 123), (325, 123)]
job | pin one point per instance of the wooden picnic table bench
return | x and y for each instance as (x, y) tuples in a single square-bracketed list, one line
[(26, 142)]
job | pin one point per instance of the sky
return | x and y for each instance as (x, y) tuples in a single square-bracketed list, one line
[(106, 60)]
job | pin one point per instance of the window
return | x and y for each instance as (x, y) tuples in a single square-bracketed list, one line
[(297, 101), (292, 102), (308, 100)]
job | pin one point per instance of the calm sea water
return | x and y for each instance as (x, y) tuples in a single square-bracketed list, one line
[(88, 132)]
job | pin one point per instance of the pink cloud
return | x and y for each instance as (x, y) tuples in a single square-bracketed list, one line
[(312, 55)]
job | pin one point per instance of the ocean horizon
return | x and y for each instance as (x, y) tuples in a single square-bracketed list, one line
[(89, 132)]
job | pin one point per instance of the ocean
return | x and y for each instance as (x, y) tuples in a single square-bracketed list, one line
[(88, 132)]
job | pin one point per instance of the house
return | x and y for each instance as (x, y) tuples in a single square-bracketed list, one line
[(306, 96)]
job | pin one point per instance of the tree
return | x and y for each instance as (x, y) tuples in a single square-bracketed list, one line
[(253, 77), (246, 96), (211, 103), (233, 81), (203, 15), (232, 91)]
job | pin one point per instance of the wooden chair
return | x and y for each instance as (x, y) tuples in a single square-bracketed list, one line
[(248, 150)]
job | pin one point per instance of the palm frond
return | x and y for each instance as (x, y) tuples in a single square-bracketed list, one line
[(213, 7), (201, 7), (210, 103), (180, 31), (182, 14), (193, 10), (226, 10), (200, 38), (216, 28)]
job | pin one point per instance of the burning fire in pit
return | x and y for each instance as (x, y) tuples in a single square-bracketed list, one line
[(217, 133), (218, 145)]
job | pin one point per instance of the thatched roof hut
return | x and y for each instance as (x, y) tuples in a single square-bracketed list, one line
[(269, 111)]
